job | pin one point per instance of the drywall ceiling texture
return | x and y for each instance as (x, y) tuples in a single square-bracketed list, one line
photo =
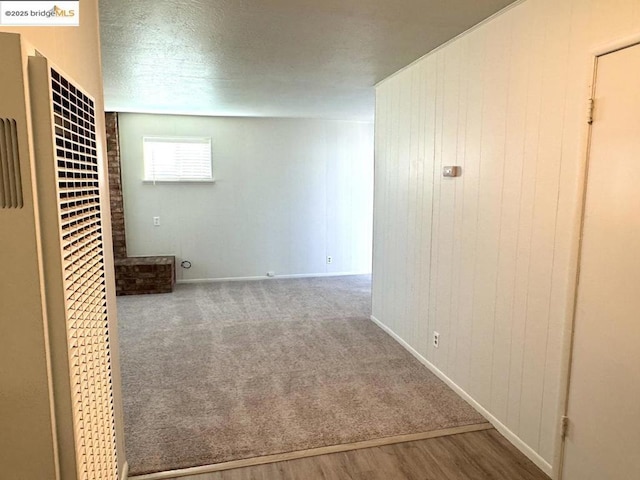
[(280, 58)]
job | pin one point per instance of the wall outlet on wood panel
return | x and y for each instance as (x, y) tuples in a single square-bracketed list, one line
[(436, 339), (329, 259)]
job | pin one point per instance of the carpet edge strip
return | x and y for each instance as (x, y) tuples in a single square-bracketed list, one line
[(312, 452)]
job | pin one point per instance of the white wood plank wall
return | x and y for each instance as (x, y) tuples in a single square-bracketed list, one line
[(488, 259)]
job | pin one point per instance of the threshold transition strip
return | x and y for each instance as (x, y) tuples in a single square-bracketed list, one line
[(313, 452)]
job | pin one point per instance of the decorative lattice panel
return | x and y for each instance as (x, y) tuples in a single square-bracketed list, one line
[(87, 321)]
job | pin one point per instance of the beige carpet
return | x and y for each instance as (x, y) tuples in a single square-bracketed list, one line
[(225, 371)]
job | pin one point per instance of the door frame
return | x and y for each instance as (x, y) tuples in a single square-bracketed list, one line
[(576, 248)]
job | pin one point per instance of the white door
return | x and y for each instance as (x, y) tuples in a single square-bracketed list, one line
[(604, 394)]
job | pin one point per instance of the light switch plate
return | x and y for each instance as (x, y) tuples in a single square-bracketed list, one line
[(451, 171)]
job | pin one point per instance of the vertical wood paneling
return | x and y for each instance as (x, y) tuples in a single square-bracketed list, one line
[(386, 230), (488, 259), (423, 218), (401, 215), (519, 39), (570, 174), (413, 202), (429, 88), (458, 193), (392, 175), (545, 210), (446, 203), (536, 56), (394, 255), (435, 220), (489, 201), (469, 205), (380, 200)]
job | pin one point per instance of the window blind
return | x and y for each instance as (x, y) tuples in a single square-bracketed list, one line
[(186, 159)]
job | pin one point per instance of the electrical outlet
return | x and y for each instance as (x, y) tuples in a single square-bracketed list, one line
[(271, 274), (329, 259), (436, 339), (156, 221)]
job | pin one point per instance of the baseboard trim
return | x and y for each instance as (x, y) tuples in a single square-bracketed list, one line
[(125, 471), (313, 452), (508, 434), (295, 275)]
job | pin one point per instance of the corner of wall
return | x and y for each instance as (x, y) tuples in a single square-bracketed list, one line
[(503, 429)]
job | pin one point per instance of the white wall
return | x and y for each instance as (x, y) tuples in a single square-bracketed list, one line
[(488, 259), (288, 192)]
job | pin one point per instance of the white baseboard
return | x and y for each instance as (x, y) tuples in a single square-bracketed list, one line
[(125, 471), (295, 275), (508, 434)]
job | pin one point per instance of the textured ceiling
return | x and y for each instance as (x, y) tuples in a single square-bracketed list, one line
[(282, 58)]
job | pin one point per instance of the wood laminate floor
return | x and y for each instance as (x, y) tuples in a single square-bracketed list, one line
[(480, 455)]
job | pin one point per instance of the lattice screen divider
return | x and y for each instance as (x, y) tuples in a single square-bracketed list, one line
[(87, 322), (74, 199)]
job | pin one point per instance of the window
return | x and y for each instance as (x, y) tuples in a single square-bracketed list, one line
[(177, 159)]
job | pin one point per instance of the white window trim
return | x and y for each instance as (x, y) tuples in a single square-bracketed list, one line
[(176, 139)]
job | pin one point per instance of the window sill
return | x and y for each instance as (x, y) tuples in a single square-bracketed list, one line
[(153, 182)]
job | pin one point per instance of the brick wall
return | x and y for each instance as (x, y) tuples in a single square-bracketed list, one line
[(134, 275), (115, 187), (143, 275)]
